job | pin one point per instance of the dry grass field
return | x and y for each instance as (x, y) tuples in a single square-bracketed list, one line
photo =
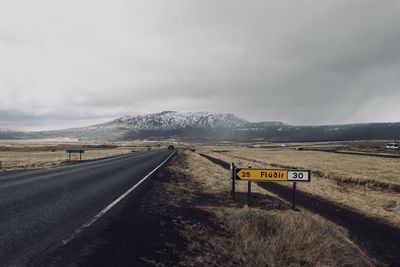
[(267, 234), (383, 205), (21, 155), (336, 165)]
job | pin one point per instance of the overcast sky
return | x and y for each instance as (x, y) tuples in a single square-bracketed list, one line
[(74, 63)]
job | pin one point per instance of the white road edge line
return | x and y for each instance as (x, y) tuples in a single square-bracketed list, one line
[(106, 209)]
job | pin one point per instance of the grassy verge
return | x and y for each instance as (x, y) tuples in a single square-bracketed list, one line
[(219, 232), (377, 204)]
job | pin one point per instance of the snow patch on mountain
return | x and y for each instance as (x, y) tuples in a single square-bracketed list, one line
[(177, 120)]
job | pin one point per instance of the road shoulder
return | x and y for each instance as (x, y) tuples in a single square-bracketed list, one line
[(185, 217)]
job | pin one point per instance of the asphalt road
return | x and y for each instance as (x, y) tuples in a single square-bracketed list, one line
[(39, 209)]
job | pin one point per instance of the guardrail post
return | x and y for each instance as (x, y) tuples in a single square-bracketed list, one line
[(233, 180), (294, 196)]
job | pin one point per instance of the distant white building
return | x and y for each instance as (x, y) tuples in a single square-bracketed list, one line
[(393, 145)]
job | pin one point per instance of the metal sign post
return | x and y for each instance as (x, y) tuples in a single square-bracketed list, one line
[(70, 151), (233, 180), (249, 193), (294, 196), (265, 175)]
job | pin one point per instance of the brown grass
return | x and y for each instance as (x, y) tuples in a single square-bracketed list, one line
[(336, 165), (41, 158), (267, 234), (288, 238), (381, 205)]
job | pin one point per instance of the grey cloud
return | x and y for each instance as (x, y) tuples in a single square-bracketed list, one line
[(18, 120), (10, 39), (302, 62)]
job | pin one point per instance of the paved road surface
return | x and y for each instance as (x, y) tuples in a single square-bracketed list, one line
[(41, 208)]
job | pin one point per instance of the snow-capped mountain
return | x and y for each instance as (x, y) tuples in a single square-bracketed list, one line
[(213, 126), (177, 120)]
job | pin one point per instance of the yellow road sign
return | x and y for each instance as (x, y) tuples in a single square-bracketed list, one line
[(262, 174)]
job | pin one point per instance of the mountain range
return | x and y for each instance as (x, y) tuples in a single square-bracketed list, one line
[(212, 126)]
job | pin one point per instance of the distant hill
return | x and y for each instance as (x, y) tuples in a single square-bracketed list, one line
[(10, 134), (213, 126)]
